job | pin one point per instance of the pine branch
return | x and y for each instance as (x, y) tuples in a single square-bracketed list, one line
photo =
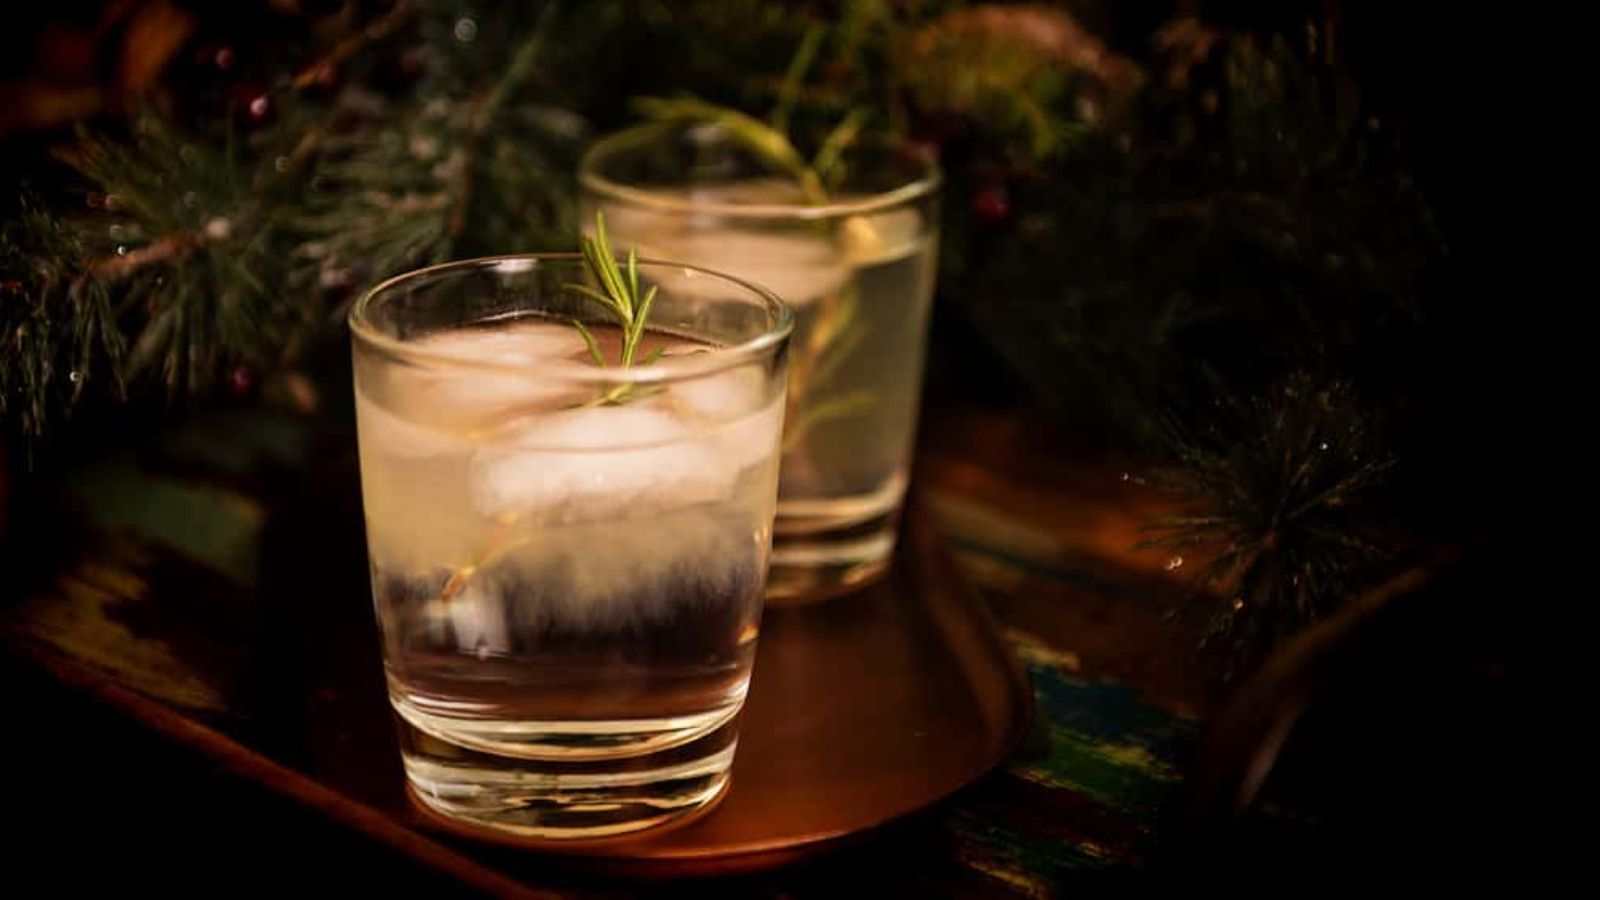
[(424, 180), (761, 139), (484, 113), (1277, 491), (169, 248), (58, 335), (373, 32), (194, 243)]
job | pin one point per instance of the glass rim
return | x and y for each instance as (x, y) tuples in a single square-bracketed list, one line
[(924, 184), (665, 370)]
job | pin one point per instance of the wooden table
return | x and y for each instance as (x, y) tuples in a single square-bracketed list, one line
[(152, 619)]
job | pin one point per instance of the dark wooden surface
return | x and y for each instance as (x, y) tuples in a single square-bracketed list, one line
[(249, 628)]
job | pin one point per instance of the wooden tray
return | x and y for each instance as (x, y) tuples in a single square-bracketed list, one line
[(863, 709)]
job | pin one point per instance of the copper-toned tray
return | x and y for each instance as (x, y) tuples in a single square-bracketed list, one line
[(863, 709)]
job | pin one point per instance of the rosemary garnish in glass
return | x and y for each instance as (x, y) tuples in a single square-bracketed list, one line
[(619, 293)]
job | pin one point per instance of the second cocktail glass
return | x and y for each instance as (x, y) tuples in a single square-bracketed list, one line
[(858, 268)]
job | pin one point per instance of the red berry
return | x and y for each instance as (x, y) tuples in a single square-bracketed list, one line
[(242, 380), (991, 203)]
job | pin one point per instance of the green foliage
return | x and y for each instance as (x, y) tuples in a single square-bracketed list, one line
[(618, 293), (58, 334), (767, 142), (1210, 221), (229, 246), (191, 249), (164, 277), (1242, 236), (470, 163)]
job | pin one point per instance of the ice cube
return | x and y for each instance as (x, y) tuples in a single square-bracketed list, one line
[(737, 406), (719, 397), (471, 398), (611, 575), (596, 462), (390, 435), (478, 616), (610, 428), (800, 268), (519, 343), (754, 438)]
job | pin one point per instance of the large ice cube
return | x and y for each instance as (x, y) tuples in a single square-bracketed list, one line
[(522, 342), (799, 267), (720, 397), (611, 575), (387, 434), (478, 616), (736, 406), (569, 466), (471, 399)]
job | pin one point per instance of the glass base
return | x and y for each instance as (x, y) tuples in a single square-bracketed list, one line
[(814, 559), (573, 793)]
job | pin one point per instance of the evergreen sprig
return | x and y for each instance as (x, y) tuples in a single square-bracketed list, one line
[(219, 248), (619, 293), (767, 142), (58, 332), (1277, 493), (191, 251), (162, 277), (471, 163)]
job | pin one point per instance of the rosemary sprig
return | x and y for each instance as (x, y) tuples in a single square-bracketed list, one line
[(835, 333), (755, 135), (619, 293)]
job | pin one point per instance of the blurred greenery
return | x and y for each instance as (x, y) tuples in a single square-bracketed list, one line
[(1144, 213)]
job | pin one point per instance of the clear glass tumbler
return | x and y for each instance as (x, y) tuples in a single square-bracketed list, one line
[(858, 268), (568, 560)]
